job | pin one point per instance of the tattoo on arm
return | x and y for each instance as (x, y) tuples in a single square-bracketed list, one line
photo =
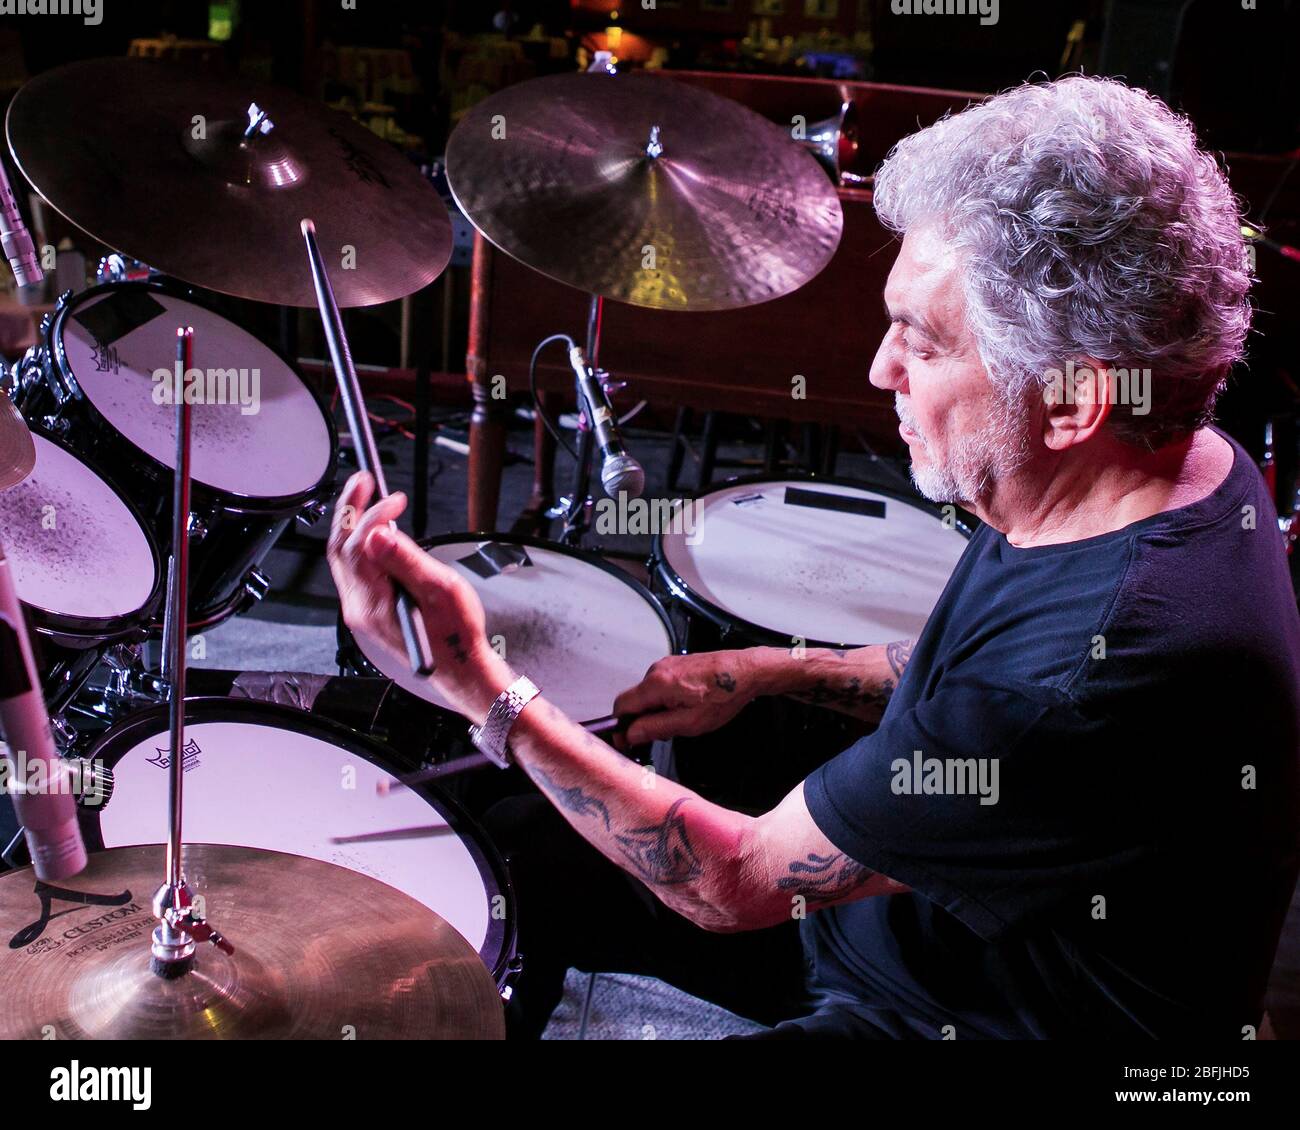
[(725, 681), (851, 694), (899, 655), (661, 854), (821, 878), (453, 642), (573, 799)]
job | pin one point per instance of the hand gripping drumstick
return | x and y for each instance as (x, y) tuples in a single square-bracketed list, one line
[(414, 634)]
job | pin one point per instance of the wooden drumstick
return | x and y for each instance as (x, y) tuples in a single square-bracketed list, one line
[(414, 635)]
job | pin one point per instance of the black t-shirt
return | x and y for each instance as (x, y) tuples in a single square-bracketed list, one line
[(1125, 867)]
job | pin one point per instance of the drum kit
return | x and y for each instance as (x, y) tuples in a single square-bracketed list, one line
[(344, 894)]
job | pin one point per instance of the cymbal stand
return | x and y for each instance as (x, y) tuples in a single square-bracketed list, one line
[(182, 924)]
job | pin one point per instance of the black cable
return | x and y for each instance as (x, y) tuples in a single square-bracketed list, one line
[(532, 388)]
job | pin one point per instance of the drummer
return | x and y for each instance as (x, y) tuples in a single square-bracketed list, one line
[(1077, 816)]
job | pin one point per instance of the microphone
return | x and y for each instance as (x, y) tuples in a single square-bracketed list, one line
[(48, 812), (15, 238), (619, 471)]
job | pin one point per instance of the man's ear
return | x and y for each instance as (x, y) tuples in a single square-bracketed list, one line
[(1078, 401)]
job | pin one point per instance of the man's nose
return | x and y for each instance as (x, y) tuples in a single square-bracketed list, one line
[(887, 369)]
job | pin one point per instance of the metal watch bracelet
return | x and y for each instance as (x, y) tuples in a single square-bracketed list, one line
[(490, 739)]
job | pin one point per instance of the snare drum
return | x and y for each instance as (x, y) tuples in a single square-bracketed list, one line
[(582, 629), (817, 562), (270, 777), (85, 566), (264, 448)]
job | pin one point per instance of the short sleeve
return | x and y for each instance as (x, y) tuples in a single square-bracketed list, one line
[(976, 798)]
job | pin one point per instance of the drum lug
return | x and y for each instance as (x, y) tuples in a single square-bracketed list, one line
[(27, 371), (256, 585), (63, 731), (96, 783), (312, 513), (198, 528), (510, 977), (62, 301)]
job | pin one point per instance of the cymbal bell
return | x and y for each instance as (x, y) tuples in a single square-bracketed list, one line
[(320, 953), (168, 166), (644, 190)]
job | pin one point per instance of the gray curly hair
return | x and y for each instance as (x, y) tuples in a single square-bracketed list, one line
[(1092, 226)]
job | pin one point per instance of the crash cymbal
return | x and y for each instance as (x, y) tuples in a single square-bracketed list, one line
[(152, 160), (558, 173), (17, 450), (320, 953)]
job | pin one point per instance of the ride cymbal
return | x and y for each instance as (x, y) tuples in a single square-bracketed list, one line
[(643, 190), (320, 953), (165, 165)]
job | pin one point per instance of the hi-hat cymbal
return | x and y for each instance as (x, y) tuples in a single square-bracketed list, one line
[(559, 173), (17, 451), (320, 953), (152, 160)]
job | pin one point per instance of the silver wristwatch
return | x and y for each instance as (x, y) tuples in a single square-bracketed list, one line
[(490, 738)]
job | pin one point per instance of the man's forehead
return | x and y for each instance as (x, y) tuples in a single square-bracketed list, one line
[(924, 285), (925, 259)]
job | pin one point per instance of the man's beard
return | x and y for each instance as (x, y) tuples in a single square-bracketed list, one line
[(976, 461)]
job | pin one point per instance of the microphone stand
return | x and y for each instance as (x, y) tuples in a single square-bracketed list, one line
[(577, 516)]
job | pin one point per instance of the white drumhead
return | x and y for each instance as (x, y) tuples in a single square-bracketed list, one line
[(578, 632), (812, 573), (281, 449), (75, 548), (262, 786)]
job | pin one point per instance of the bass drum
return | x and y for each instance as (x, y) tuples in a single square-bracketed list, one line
[(264, 776), (85, 566), (795, 562), (264, 448), (582, 629)]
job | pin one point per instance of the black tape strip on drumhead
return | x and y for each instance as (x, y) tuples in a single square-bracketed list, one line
[(493, 557), (118, 314), (844, 503)]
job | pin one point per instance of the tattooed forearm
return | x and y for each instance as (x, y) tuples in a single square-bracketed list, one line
[(662, 853), (725, 681), (573, 799), (899, 655), (849, 693), (821, 878)]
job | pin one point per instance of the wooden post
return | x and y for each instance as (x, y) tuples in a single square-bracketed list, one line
[(487, 429)]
